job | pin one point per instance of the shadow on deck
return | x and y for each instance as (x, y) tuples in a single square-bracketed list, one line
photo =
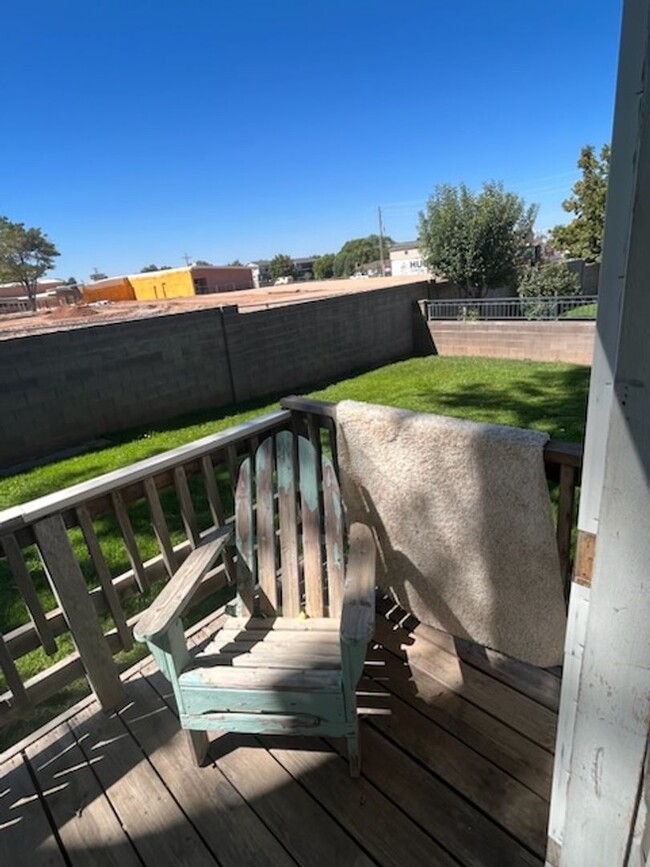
[(459, 773)]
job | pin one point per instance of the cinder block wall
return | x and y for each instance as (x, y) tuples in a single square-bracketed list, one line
[(567, 341), (281, 349), (64, 388), (60, 389)]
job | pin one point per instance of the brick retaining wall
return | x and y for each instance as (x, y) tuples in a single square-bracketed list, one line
[(535, 341)]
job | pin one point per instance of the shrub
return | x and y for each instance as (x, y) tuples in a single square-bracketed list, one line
[(549, 278)]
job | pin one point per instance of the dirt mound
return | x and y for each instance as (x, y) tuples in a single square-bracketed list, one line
[(72, 311)]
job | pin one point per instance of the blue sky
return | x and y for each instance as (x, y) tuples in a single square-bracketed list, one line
[(137, 132)]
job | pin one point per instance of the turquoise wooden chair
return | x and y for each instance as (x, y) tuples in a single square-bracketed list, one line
[(291, 649)]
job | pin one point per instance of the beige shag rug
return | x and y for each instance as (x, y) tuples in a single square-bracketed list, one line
[(462, 516)]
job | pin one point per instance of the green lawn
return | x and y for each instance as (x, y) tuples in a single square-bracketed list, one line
[(546, 397), (587, 311)]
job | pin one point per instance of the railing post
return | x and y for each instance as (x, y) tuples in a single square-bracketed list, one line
[(70, 590)]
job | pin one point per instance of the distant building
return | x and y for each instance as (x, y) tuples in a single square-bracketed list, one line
[(304, 267), (406, 259), (170, 283), (17, 290), (50, 292), (261, 269), (369, 269)]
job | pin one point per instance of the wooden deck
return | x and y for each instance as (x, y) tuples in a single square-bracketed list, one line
[(459, 773)]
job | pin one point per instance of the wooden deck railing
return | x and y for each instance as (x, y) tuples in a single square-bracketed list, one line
[(45, 543), (57, 545)]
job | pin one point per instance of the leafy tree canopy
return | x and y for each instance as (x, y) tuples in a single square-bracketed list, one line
[(282, 266), (148, 268), (203, 263), (324, 266), (358, 252), (25, 256), (235, 264), (582, 238), (476, 240)]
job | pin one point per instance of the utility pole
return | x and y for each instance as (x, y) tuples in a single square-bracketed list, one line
[(381, 243), (187, 259)]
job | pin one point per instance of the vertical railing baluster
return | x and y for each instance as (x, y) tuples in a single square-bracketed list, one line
[(15, 684), (104, 576), (160, 527), (188, 513), (26, 588), (130, 543)]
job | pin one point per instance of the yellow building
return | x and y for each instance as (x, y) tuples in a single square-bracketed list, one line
[(170, 283)]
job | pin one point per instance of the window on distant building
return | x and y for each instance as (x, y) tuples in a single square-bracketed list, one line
[(201, 285)]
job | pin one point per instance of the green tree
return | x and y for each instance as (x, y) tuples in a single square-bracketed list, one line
[(149, 268), (282, 266), (476, 240), (71, 281), (235, 264), (582, 238), (324, 266), (25, 256), (358, 252)]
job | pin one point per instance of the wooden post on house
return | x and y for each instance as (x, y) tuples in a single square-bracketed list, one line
[(599, 793)]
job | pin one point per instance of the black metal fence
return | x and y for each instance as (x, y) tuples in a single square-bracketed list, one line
[(539, 308)]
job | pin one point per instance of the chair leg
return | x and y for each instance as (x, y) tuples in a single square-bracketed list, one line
[(354, 755), (199, 744)]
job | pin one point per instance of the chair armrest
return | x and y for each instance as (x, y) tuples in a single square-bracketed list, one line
[(358, 613), (176, 594)]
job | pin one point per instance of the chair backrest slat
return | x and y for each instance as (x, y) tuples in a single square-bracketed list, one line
[(245, 540), (333, 538), (266, 556), (286, 479), (311, 532)]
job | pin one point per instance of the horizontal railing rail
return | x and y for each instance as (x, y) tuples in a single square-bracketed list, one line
[(67, 556), (559, 307)]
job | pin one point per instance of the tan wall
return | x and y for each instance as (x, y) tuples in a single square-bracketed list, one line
[(226, 279), (571, 342)]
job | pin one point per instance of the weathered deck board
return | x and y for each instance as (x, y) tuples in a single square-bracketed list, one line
[(517, 710), (26, 839), (144, 806), (540, 684), (390, 837), (449, 779), (88, 827), (466, 833), (226, 822)]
